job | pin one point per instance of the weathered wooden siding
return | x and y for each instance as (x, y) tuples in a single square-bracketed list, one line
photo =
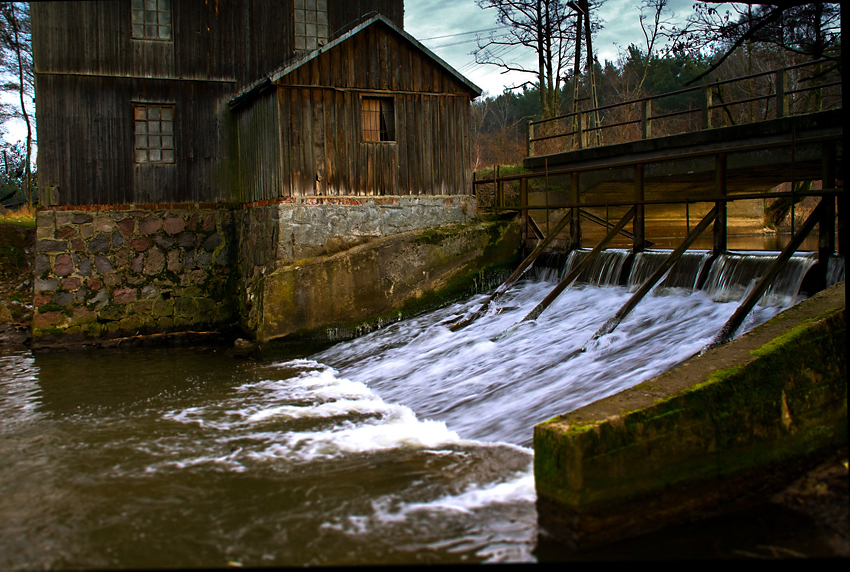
[(321, 121), (259, 148), (86, 141), (342, 13), (220, 40), (323, 152)]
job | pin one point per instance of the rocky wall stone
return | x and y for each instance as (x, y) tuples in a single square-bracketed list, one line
[(120, 273)]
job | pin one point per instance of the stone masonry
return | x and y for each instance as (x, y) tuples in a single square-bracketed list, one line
[(115, 273)]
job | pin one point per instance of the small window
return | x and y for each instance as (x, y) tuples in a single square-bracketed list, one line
[(310, 18), (154, 132), (151, 19), (378, 119)]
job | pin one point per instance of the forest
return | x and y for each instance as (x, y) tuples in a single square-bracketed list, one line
[(711, 46)]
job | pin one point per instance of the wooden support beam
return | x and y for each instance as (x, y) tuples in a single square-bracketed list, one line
[(574, 273), (731, 326), (826, 224), (720, 191), (575, 224), (513, 277), (645, 288), (646, 113), (639, 224)]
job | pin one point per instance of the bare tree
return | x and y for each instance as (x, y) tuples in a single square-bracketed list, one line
[(545, 27), (16, 66), (801, 27)]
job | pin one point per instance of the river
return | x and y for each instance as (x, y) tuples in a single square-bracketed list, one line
[(408, 445)]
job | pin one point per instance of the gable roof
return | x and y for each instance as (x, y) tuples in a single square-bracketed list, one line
[(266, 82)]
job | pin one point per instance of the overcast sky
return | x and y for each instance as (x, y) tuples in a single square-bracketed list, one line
[(430, 20)]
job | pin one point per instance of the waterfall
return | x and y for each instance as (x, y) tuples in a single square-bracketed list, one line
[(682, 275), (605, 269), (733, 276), (834, 270)]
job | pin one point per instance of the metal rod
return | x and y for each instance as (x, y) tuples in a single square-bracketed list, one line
[(732, 325)]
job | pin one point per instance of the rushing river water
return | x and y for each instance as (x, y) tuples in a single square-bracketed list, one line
[(407, 445)]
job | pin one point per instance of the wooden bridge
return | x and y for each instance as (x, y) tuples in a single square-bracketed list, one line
[(719, 160)]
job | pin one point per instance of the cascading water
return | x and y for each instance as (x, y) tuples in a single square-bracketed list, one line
[(407, 445), (684, 274), (733, 276)]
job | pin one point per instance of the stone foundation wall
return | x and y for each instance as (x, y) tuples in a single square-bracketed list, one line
[(107, 273)]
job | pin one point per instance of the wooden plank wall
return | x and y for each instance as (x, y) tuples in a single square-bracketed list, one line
[(86, 141), (259, 148), (321, 123), (221, 40), (343, 13), (322, 147)]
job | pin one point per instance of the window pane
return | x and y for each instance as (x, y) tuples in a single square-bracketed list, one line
[(150, 4), (153, 127), (141, 156), (167, 156), (141, 141), (155, 154), (167, 142), (138, 4), (153, 112), (166, 113), (167, 127), (164, 5), (165, 32), (141, 127)]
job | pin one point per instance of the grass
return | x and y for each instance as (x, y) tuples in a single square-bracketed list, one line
[(23, 216)]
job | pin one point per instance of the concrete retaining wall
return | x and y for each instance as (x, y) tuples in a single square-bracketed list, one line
[(338, 296), (710, 433)]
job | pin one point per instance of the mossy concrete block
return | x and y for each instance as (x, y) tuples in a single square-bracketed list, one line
[(384, 279), (709, 432)]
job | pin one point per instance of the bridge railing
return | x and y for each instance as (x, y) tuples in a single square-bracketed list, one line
[(746, 99)]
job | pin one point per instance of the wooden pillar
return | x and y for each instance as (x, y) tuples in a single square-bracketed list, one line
[(528, 143), (523, 199), (780, 80), (580, 129), (639, 223), (720, 191), (575, 223), (826, 223), (706, 108), (646, 113)]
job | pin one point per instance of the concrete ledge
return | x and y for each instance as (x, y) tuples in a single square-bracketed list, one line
[(389, 278), (701, 438)]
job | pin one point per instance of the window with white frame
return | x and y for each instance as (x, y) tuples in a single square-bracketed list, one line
[(154, 133)]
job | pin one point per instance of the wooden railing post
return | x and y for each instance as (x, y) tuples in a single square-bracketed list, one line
[(528, 142), (580, 129), (706, 108), (646, 113), (780, 79)]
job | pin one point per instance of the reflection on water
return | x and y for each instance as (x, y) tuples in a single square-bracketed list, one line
[(406, 445)]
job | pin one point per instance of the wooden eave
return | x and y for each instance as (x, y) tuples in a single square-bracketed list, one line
[(268, 81)]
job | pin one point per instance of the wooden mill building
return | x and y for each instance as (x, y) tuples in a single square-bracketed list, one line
[(229, 101)]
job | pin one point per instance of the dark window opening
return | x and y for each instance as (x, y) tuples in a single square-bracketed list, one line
[(378, 119)]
